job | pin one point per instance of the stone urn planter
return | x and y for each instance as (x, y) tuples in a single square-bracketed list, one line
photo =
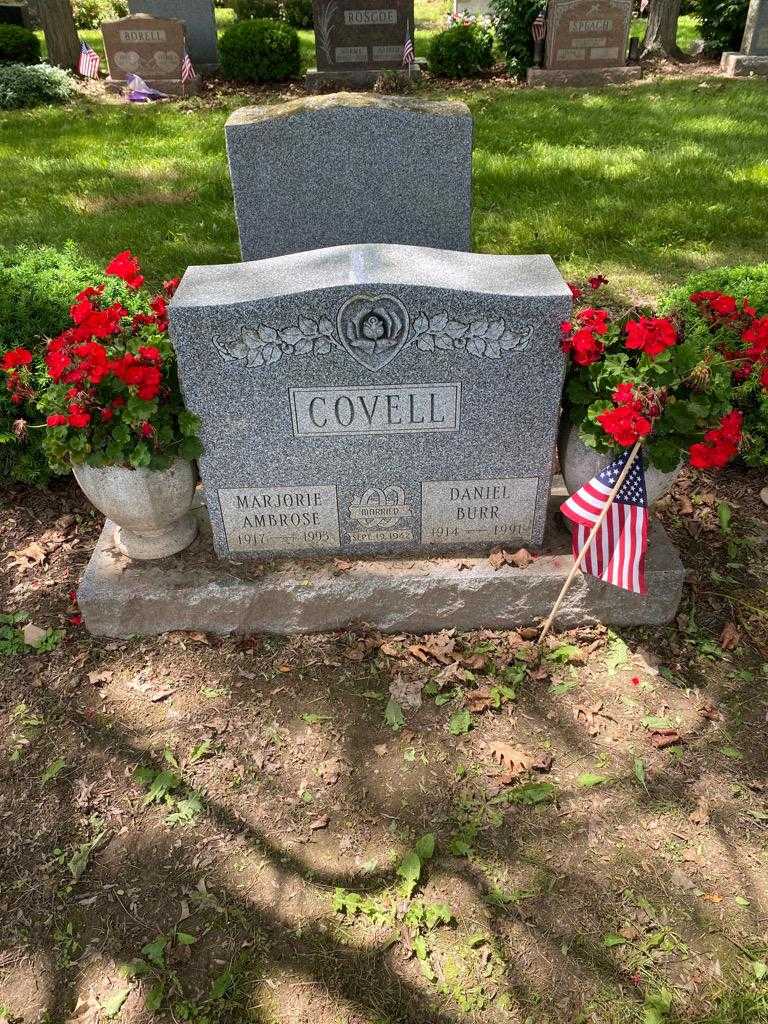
[(579, 463), (150, 507)]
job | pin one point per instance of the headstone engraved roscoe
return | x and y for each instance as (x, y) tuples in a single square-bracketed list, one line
[(753, 57), (152, 48), (374, 398), (346, 168), (200, 22), (358, 39), (586, 36)]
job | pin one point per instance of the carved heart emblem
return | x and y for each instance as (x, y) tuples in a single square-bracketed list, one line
[(168, 61), (128, 61), (373, 328)]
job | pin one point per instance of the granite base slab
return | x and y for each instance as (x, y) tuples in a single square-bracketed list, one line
[(196, 591), (742, 65), (584, 76), (359, 78)]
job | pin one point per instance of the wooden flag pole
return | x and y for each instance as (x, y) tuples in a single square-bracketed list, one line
[(609, 501)]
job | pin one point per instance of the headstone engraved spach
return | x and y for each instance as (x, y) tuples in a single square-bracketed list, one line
[(356, 40), (753, 57), (374, 398), (199, 21), (589, 37), (152, 48), (347, 168)]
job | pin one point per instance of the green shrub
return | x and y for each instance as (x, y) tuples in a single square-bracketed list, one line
[(91, 13), (19, 45), (298, 13), (722, 23), (246, 10), (461, 51), (260, 50), (30, 85), (749, 283), (37, 287), (512, 20)]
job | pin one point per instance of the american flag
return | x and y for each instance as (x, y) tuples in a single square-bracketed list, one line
[(617, 552), (88, 62), (187, 71), (538, 28), (408, 52)]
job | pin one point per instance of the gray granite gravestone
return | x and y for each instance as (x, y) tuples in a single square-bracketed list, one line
[(200, 21), (347, 168), (753, 56), (374, 398)]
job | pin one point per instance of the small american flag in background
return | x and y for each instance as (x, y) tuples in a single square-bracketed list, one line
[(538, 28), (617, 553), (88, 62), (408, 52), (187, 71)]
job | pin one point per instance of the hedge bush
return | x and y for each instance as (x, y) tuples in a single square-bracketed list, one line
[(461, 51), (19, 45), (31, 85), (298, 13), (743, 283), (91, 13), (261, 50), (512, 21), (246, 10), (37, 287), (722, 23)]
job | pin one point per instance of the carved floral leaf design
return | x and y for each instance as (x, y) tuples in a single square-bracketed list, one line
[(312, 337)]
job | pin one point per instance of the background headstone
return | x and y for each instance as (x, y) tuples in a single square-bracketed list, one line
[(753, 56), (152, 48), (356, 40), (346, 168), (587, 34), (374, 399), (200, 21), (14, 14)]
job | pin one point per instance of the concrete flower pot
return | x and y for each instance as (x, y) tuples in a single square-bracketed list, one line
[(150, 507), (579, 463)]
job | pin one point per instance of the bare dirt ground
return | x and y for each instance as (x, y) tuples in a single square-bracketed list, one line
[(360, 829)]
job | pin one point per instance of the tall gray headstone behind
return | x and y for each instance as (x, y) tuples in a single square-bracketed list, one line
[(349, 168), (200, 20), (755, 40), (374, 398)]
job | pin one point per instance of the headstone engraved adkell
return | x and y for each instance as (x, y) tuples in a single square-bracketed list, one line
[(152, 48), (347, 168), (200, 23), (753, 57), (374, 398), (589, 37), (356, 40)]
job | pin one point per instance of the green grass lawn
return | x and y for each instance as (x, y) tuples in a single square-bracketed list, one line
[(643, 183)]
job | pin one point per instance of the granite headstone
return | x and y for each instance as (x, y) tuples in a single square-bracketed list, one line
[(152, 48), (374, 398), (200, 21), (347, 168), (587, 34), (752, 59)]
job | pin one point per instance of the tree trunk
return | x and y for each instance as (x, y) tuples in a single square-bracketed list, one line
[(60, 33), (661, 31)]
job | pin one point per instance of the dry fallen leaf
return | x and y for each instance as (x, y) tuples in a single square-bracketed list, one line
[(520, 559), (730, 636), (341, 565), (96, 678), (595, 717), (515, 761), (699, 816), (529, 633), (452, 673), (380, 749), (662, 738), (32, 554), (319, 823), (32, 635), (329, 771)]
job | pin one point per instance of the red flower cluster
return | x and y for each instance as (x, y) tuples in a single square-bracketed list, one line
[(723, 310), (719, 445), (720, 308), (651, 335), (626, 424), (583, 342), (14, 361), (126, 266)]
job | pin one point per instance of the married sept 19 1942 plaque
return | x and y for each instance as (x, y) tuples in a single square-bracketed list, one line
[(374, 398)]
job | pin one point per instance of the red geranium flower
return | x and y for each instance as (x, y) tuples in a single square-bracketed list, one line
[(16, 357), (576, 292), (126, 266), (56, 420), (624, 425), (593, 319), (719, 445), (597, 281), (651, 335), (171, 286)]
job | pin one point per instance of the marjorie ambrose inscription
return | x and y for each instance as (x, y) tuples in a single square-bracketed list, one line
[(280, 518), (375, 410)]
